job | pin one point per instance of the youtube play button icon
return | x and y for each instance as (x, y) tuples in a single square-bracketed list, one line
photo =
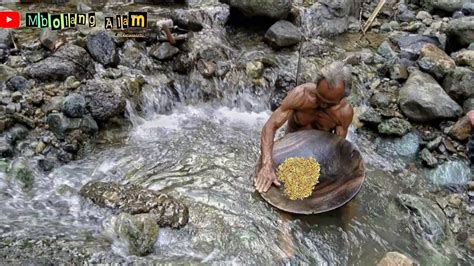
[(9, 19)]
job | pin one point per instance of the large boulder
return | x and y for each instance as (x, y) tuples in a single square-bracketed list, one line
[(462, 30), (422, 99), (61, 125), (283, 34), (435, 61), (69, 60), (411, 44), (139, 232), (458, 84), (134, 199), (104, 100), (102, 48), (277, 9), (444, 5)]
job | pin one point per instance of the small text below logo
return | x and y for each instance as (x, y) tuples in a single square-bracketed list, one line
[(132, 20)]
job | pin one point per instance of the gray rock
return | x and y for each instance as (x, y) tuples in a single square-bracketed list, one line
[(468, 8), (406, 147), (6, 72), (61, 125), (380, 100), (16, 133), (134, 55), (69, 60), (139, 232), (451, 172), (5, 39), (104, 100), (434, 144), (435, 61), (134, 199), (283, 84), (399, 72), (81, 7), (422, 99), (277, 9), (163, 51), (458, 14), (386, 50), (283, 34), (425, 17), (458, 84), (426, 218), (49, 38), (394, 126), (74, 105), (405, 14), (445, 5), (206, 68), (464, 58), (468, 105), (461, 30), (370, 117), (412, 43), (428, 158), (182, 63), (18, 83), (102, 48)]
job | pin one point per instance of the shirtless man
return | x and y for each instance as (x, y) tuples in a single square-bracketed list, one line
[(320, 105)]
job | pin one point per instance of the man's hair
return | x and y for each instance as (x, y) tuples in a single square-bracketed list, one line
[(335, 73)]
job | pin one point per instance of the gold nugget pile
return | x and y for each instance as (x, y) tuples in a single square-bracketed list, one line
[(299, 175)]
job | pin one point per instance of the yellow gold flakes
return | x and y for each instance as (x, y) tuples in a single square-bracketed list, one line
[(299, 175)]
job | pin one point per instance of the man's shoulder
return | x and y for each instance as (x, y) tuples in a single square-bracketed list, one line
[(344, 111)]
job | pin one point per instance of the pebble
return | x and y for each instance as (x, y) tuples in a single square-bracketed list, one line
[(17, 96), (455, 200), (40, 147)]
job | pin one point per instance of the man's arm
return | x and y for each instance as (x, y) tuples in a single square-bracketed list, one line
[(266, 175), (346, 114)]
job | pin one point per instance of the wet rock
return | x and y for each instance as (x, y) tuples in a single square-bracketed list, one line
[(468, 8), (18, 83), (458, 14), (399, 72), (61, 125), (461, 30), (422, 99), (16, 133), (49, 38), (5, 39), (395, 259), (406, 147), (182, 63), (104, 100), (6, 72), (428, 158), (435, 61), (394, 126), (222, 68), (134, 55), (451, 172), (6, 149), (458, 84), (40, 147), (455, 200), (163, 51), (380, 100), (461, 130), (386, 50), (102, 48), (207, 69), (444, 5), (46, 164), (74, 105), (412, 43), (139, 232), (283, 34), (370, 117), (69, 60), (427, 219), (283, 84), (254, 69), (134, 199), (464, 58), (277, 9)]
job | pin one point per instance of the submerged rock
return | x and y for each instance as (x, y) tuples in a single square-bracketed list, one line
[(451, 172), (102, 48), (277, 9), (283, 34), (395, 259), (134, 199), (427, 219), (394, 126), (422, 99), (461, 30), (139, 232), (22, 174)]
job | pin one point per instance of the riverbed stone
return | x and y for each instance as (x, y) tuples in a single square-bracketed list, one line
[(69, 60), (16, 134), (428, 158), (206, 68), (61, 125), (461, 30), (468, 105), (134, 199), (461, 130), (283, 34), (18, 83), (6, 72), (435, 61), (422, 99), (464, 58), (449, 173), (399, 72), (139, 232), (102, 48), (413, 43), (104, 99), (395, 259), (426, 218), (163, 51), (458, 84), (406, 147), (370, 117), (405, 14), (394, 126), (6, 149), (380, 100), (74, 105), (49, 38), (276, 9), (254, 69), (23, 174), (5, 39), (444, 5), (386, 51)]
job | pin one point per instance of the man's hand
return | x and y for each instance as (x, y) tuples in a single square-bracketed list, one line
[(470, 114), (265, 178)]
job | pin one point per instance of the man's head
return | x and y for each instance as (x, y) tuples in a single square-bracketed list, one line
[(334, 83)]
